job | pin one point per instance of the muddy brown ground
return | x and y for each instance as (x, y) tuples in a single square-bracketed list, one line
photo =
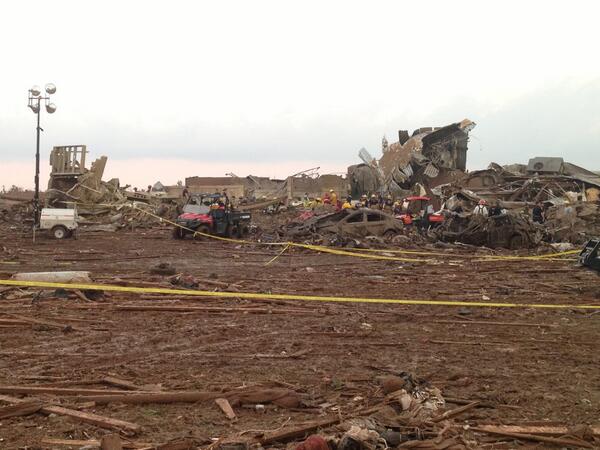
[(529, 373)]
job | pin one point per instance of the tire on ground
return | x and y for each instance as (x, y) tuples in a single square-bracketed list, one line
[(60, 232)]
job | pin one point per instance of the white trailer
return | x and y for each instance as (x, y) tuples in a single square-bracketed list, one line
[(62, 223)]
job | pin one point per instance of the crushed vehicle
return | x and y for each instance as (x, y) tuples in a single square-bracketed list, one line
[(209, 214), (590, 255), (356, 223), (502, 231), (414, 209)]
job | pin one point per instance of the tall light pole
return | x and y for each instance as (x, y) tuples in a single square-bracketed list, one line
[(35, 100)]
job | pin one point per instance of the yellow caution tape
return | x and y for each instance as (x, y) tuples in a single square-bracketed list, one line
[(265, 296), (351, 252), (454, 255), (318, 248)]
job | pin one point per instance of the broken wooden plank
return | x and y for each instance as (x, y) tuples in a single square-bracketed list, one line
[(57, 391), (124, 384), (455, 412), (153, 397), (548, 430), (302, 430), (210, 309), (94, 419), (223, 403), (507, 324), (20, 409), (49, 323), (91, 443), (538, 438)]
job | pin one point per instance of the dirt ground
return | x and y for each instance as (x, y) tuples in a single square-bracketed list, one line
[(542, 367)]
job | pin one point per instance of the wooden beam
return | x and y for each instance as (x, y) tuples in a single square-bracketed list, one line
[(504, 324), (20, 409), (548, 430), (79, 416), (57, 390), (153, 397), (539, 438), (455, 412), (223, 403), (91, 443)]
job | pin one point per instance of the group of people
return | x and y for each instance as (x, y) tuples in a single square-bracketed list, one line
[(538, 213)]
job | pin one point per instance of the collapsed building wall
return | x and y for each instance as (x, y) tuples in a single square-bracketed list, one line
[(430, 157)]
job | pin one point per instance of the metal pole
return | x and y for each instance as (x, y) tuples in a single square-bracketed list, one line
[(36, 198)]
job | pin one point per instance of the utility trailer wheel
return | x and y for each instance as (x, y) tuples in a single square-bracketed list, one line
[(60, 232)]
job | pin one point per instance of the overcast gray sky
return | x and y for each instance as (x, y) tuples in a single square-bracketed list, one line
[(172, 89)]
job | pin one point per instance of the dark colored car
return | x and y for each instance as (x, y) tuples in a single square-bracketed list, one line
[(358, 223)]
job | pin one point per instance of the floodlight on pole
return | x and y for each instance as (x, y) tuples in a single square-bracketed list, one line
[(35, 101), (50, 89)]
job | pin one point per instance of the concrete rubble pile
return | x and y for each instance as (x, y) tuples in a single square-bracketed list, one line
[(104, 204), (415, 164), (432, 162)]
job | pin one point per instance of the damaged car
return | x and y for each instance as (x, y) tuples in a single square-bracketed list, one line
[(502, 231), (359, 223)]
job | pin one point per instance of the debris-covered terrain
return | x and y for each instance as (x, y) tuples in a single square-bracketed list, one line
[(194, 372), (409, 304)]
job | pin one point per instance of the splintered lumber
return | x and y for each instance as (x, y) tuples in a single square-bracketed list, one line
[(297, 432), (94, 419), (153, 397), (210, 309), (539, 438), (223, 403), (455, 412), (283, 397), (506, 324), (56, 391), (302, 430), (90, 443), (548, 430), (49, 323), (20, 409), (124, 384)]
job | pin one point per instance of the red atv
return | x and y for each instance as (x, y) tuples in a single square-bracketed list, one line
[(208, 214)]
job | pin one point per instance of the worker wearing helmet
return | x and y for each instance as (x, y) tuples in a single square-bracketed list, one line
[(481, 209), (333, 197), (364, 201), (388, 203), (373, 201), (347, 205)]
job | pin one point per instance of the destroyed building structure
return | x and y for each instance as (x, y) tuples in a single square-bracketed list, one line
[(254, 188), (427, 158)]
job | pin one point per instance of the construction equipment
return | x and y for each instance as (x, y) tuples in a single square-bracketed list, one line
[(211, 214), (61, 222), (590, 255)]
